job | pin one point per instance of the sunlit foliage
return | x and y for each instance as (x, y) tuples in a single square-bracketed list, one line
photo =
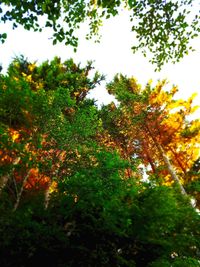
[(72, 187)]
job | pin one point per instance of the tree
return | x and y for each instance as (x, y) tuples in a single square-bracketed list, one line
[(96, 218), (33, 152), (65, 194), (151, 125), (165, 28)]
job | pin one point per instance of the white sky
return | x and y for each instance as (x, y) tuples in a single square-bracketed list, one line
[(113, 55)]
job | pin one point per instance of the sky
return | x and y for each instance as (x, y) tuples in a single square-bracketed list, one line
[(112, 55)]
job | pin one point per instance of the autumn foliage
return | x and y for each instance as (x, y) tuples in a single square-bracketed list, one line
[(150, 120), (84, 186)]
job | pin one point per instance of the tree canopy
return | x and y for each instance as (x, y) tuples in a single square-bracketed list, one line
[(149, 124), (163, 28), (72, 187)]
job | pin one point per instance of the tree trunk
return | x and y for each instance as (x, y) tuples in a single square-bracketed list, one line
[(4, 181), (167, 163), (178, 161), (47, 195), (21, 191), (5, 178), (170, 169)]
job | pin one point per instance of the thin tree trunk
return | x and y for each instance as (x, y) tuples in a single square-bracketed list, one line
[(47, 195), (5, 178), (170, 169), (167, 163), (149, 158), (178, 161), (3, 182), (21, 191)]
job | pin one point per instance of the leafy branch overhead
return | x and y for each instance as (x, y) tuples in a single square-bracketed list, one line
[(163, 28)]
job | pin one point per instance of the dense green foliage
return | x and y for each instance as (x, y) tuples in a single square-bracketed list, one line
[(111, 225), (65, 196), (165, 28)]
